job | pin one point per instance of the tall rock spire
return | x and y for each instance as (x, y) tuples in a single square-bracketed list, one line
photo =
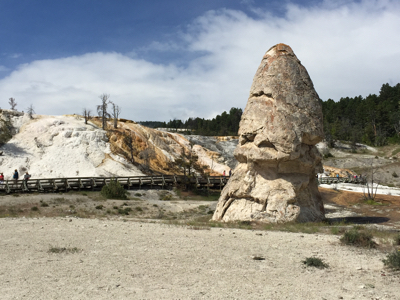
[(278, 161)]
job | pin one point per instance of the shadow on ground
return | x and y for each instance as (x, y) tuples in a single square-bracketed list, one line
[(359, 220)]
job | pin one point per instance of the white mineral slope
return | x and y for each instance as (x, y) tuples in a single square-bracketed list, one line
[(358, 188), (60, 146)]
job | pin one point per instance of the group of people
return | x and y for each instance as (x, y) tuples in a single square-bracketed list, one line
[(15, 176), (230, 173)]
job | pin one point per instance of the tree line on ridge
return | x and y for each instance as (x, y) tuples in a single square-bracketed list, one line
[(373, 120)]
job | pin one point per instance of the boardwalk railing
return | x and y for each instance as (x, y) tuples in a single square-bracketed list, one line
[(96, 183), (330, 180)]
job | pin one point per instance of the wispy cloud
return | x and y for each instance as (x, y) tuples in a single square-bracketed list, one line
[(350, 48), (15, 55)]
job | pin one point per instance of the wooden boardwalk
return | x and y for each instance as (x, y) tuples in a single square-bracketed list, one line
[(96, 183), (330, 180), (131, 183)]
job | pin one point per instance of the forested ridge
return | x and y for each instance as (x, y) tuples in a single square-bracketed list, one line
[(222, 125), (373, 120)]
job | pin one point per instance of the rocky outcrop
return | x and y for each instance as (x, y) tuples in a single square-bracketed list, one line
[(275, 180), (219, 148)]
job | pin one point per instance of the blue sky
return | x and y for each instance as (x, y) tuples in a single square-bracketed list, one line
[(161, 60)]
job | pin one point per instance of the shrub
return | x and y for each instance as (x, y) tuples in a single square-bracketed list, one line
[(394, 174), (165, 196), (372, 202), (99, 206), (44, 204), (63, 250), (397, 240), (124, 211), (357, 238), (315, 262), (34, 208), (114, 190), (328, 155), (393, 260)]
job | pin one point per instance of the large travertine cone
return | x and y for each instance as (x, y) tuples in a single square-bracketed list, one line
[(275, 178)]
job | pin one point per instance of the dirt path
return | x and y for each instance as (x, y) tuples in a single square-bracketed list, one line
[(131, 260), (114, 256)]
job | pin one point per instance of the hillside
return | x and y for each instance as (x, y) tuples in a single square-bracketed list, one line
[(382, 161), (64, 146)]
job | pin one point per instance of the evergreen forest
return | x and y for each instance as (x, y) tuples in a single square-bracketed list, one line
[(373, 120), (222, 125)]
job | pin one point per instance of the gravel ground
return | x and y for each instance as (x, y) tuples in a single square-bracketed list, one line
[(117, 259)]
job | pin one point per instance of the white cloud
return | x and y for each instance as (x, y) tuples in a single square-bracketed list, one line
[(349, 49)]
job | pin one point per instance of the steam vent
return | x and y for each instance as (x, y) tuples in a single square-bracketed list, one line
[(275, 181)]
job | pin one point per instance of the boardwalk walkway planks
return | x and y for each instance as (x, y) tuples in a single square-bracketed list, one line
[(96, 183)]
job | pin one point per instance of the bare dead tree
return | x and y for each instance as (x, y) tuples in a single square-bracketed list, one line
[(189, 161), (370, 182), (116, 110), (102, 110), (12, 103), (129, 142), (30, 111), (87, 114), (148, 154), (212, 163)]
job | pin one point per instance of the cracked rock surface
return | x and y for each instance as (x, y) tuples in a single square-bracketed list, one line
[(281, 124)]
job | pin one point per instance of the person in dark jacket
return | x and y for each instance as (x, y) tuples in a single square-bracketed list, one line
[(16, 175)]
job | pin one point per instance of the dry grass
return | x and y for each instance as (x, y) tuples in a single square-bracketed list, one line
[(86, 205), (69, 250)]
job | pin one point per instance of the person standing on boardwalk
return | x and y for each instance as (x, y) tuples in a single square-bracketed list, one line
[(1, 178), (27, 176), (16, 175)]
